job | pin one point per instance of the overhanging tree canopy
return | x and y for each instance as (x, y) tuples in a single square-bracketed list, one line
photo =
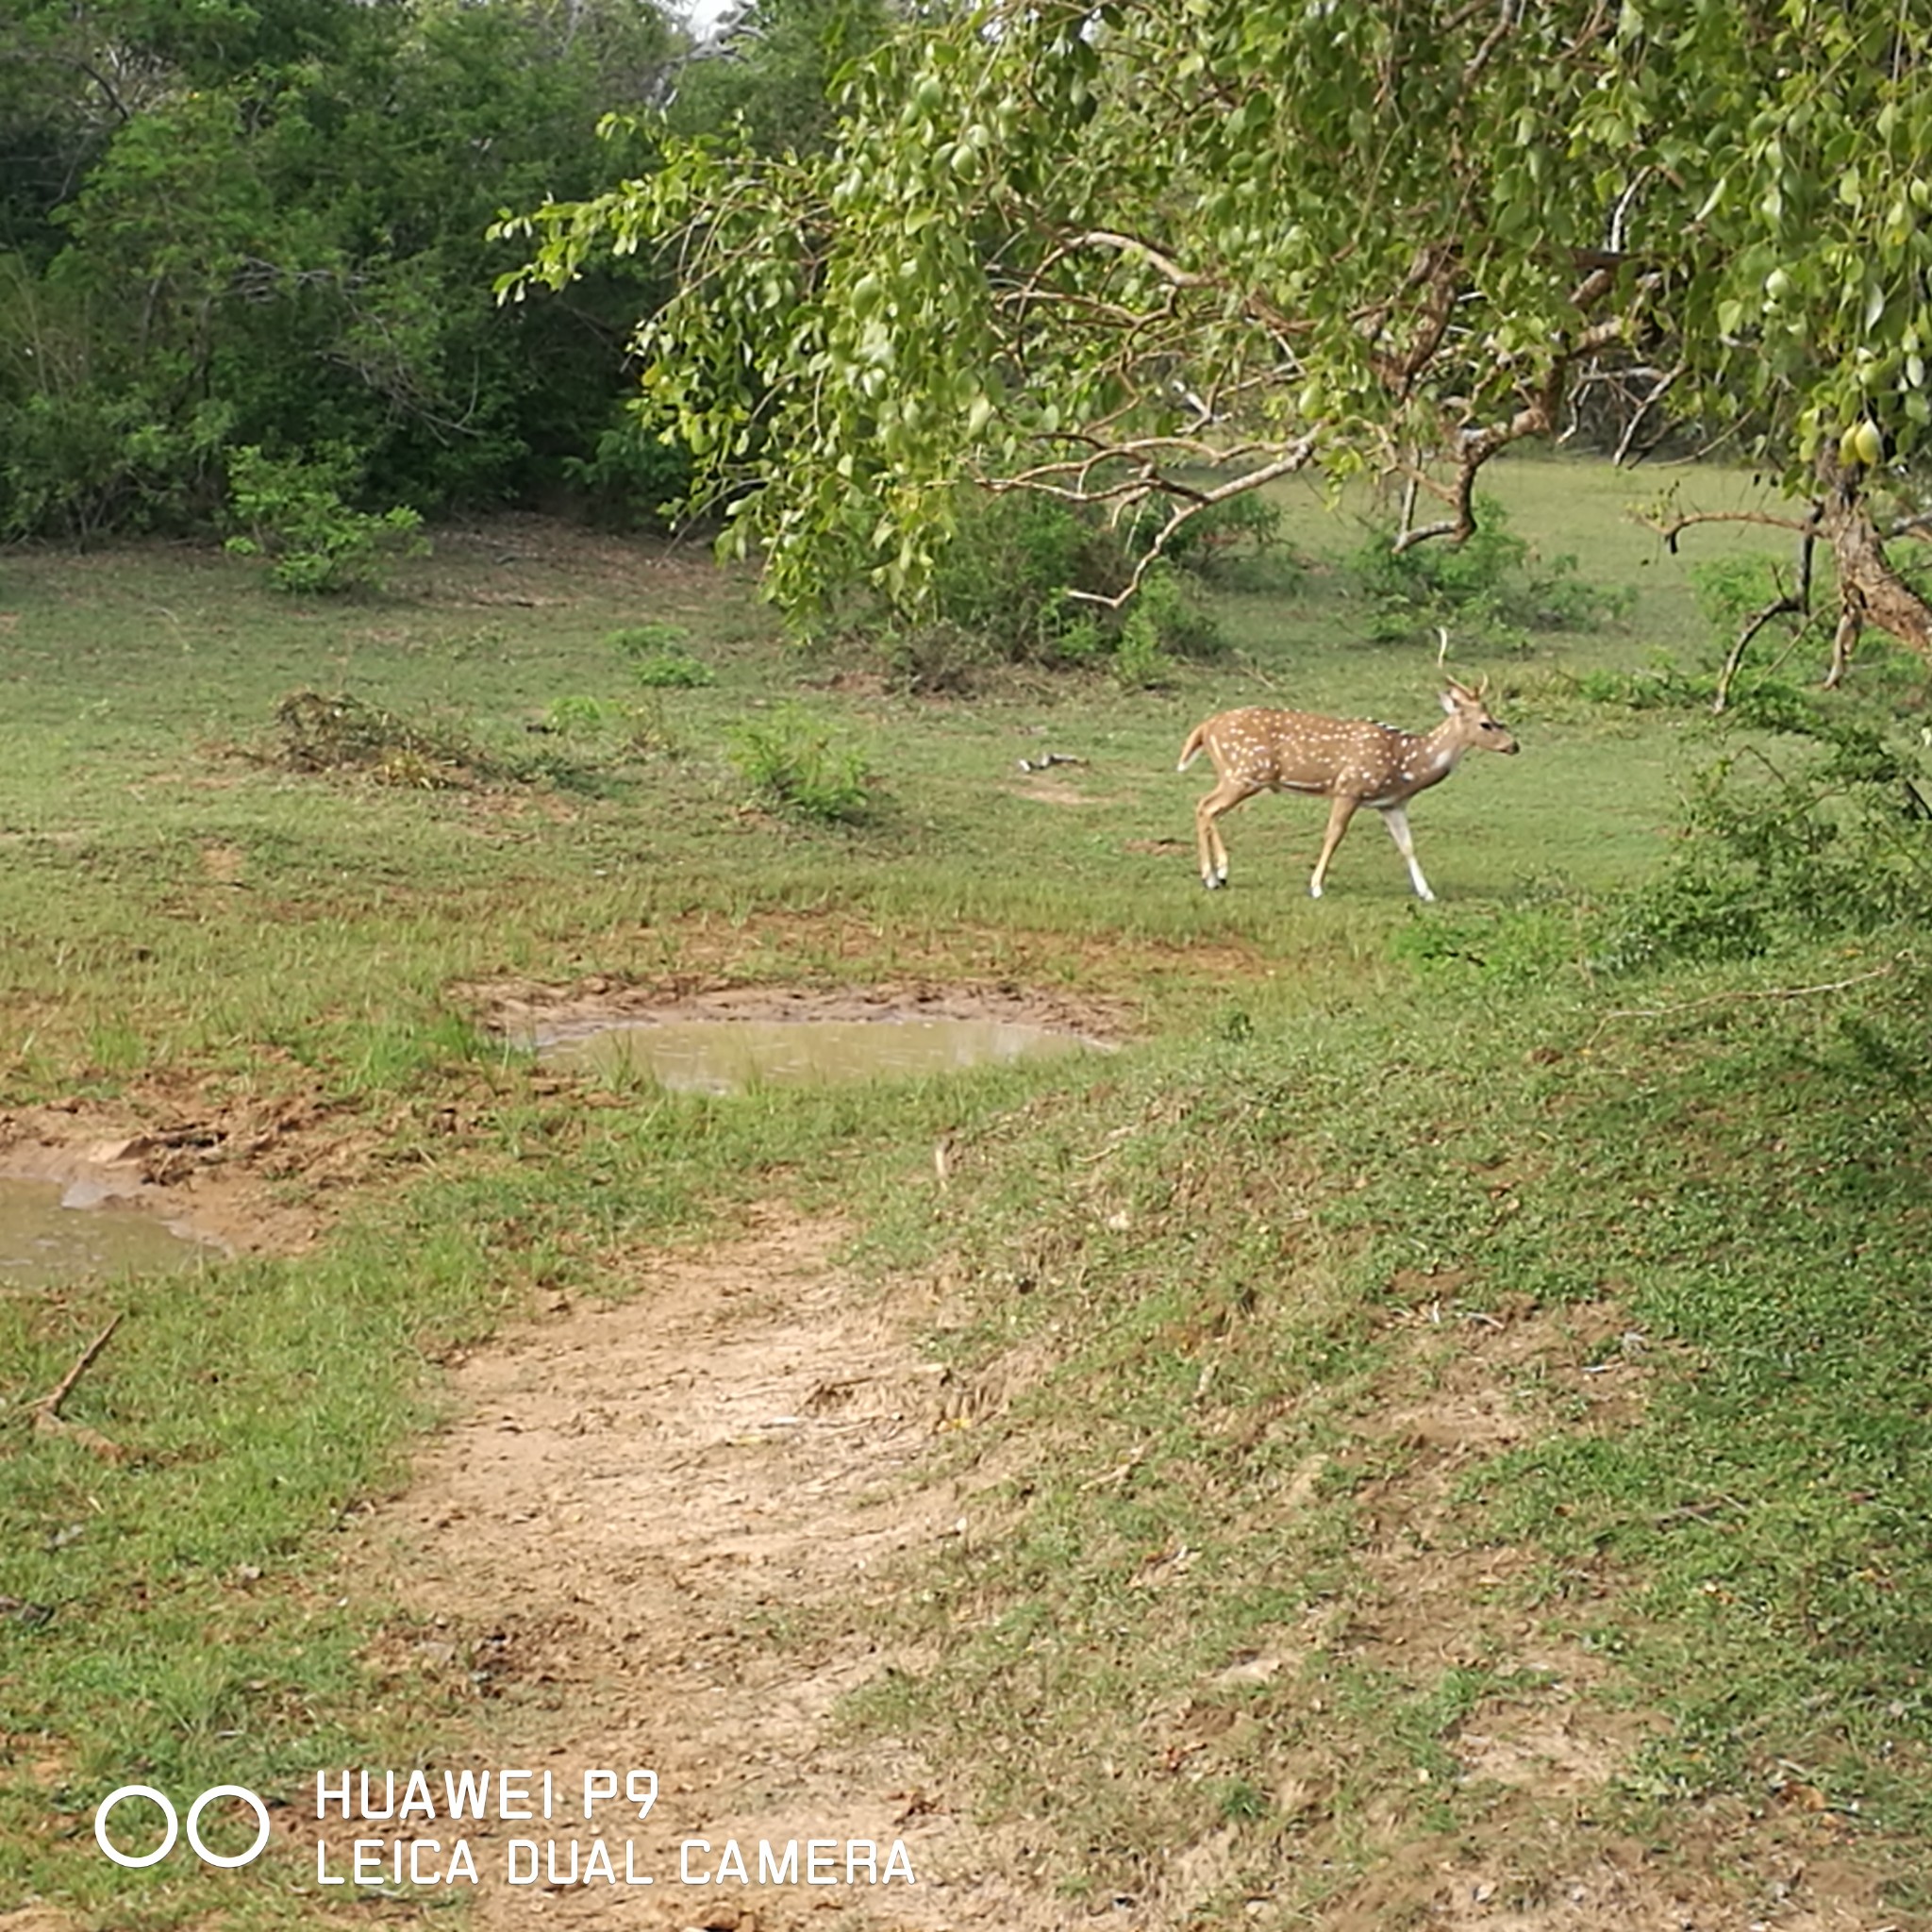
[(1173, 249)]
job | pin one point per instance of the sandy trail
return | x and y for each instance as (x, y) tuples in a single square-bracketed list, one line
[(647, 1514)]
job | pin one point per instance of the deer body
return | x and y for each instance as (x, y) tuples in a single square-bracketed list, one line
[(1349, 761)]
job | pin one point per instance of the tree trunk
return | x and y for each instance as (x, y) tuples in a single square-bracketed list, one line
[(1870, 589)]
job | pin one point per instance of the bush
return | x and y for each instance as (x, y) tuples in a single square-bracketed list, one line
[(296, 516), (1006, 575), (632, 477), (939, 659), (1492, 585), (797, 772), (1831, 837), (1244, 527), (659, 657), (1164, 621), (583, 717), (1017, 585)]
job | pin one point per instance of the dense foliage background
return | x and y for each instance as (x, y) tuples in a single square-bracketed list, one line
[(227, 229)]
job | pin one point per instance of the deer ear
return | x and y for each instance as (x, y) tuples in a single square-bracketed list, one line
[(1448, 698)]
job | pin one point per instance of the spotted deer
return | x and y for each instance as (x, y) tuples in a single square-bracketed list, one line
[(1349, 761)]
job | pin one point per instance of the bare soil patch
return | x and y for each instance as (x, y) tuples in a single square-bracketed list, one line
[(202, 1178), (655, 1532), (524, 561), (530, 1012), (1059, 792)]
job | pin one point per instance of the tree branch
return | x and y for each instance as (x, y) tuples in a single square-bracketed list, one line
[(1285, 465), (1670, 529)]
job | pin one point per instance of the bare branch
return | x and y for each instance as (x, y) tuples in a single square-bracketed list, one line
[(1770, 993), (1785, 606), (1670, 529), (1659, 389), (1537, 417), (1506, 16), (1164, 265), (50, 1403), (1185, 511)]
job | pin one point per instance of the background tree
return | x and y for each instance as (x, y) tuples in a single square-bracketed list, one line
[(240, 228), (1165, 253), (772, 71)]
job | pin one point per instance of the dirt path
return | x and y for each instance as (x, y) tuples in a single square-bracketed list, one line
[(641, 1525), (652, 1532)]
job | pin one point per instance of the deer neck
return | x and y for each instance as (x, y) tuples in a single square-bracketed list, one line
[(1438, 753)]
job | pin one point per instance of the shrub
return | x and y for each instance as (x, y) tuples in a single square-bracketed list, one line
[(1825, 836), (1164, 621), (296, 516), (583, 716), (659, 657), (633, 477), (1244, 527), (1008, 590), (1006, 575), (1493, 584), (797, 772), (938, 659)]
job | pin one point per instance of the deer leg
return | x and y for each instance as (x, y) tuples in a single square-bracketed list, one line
[(1396, 819), (1211, 850), (1340, 810)]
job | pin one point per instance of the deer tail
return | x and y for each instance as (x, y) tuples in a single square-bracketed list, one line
[(1191, 750)]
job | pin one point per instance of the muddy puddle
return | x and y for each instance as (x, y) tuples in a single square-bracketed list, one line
[(734, 1055), (52, 1233)]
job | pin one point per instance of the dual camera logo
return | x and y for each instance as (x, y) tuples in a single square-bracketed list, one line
[(173, 1826)]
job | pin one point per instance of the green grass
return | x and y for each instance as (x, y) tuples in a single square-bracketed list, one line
[(1220, 1247), (1744, 1547)]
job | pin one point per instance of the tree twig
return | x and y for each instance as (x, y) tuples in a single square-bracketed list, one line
[(1769, 992), (1670, 529), (1794, 603), (50, 1404), (47, 1412)]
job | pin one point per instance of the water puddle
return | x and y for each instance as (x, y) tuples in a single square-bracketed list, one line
[(51, 1234), (729, 1056)]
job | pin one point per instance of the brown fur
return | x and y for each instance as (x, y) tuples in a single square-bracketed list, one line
[(1349, 761)]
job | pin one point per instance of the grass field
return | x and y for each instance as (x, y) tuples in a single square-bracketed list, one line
[(1425, 1320)]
